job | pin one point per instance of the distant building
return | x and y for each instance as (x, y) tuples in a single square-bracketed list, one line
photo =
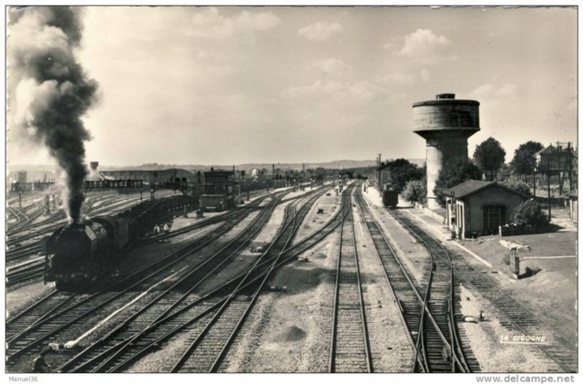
[(383, 176), (219, 190), (559, 159), (155, 176), (479, 207), (22, 177)]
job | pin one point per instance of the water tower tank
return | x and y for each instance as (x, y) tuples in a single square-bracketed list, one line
[(445, 123)]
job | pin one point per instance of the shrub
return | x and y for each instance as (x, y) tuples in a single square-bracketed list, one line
[(415, 191), (530, 213), (518, 186), (402, 171)]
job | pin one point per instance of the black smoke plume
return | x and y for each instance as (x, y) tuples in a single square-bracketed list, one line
[(50, 90)]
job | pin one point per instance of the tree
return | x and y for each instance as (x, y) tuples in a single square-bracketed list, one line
[(489, 157), (530, 213), (454, 171), (320, 174), (523, 162), (518, 186), (402, 171), (415, 191)]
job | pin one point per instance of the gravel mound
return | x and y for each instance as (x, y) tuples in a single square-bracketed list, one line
[(292, 333), (320, 255), (297, 280)]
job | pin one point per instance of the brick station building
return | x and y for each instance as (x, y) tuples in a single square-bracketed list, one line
[(477, 207)]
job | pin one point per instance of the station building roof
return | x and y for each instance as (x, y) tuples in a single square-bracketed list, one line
[(469, 187)]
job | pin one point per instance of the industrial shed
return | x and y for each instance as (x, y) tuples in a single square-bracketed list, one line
[(477, 207), (219, 190)]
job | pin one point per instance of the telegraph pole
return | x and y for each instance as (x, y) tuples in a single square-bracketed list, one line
[(549, 187), (534, 180)]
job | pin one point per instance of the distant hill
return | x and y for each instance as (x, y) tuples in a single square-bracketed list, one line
[(338, 164), (38, 171)]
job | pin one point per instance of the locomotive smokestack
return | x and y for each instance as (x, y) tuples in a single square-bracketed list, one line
[(49, 89)]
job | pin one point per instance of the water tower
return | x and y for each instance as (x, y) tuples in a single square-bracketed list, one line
[(445, 123)]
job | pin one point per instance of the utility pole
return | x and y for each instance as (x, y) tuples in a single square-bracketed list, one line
[(549, 187), (153, 185), (535, 165)]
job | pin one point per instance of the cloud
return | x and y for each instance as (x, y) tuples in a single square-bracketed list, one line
[(332, 67), (425, 46), (320, 87), (320, 31), (365, 90), (210, 24), (362, 91), (399, 78), (495, 93)]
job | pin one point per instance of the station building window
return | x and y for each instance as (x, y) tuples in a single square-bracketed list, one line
[(494, 216)]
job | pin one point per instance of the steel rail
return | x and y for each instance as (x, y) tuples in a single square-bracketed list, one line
[(333, 364), (426, 310), (455, 349), (304, 243), (159, 266)]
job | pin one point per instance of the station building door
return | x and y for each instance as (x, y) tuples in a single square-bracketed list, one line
[(494, 216)]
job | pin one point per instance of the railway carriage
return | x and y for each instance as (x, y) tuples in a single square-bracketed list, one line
[(390, 198), (79, 252)]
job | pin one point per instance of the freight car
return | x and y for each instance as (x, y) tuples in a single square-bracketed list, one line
[(79, 252), (390, 198)]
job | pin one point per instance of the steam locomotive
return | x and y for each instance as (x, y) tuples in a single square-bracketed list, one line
[(79, 252)]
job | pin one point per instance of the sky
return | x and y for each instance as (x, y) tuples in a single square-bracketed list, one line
[(233, 85)]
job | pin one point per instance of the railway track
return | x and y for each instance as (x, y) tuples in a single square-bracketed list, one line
[(33, 269), (66, 310), (30, 271), (350, 349), (172, 314), (27, 271), (442, 344), (206, 351), (48, 228), (21, 219), (425, 307), (192, 314), (223, 333), (25, 332), (519, 319), (57, 220)]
